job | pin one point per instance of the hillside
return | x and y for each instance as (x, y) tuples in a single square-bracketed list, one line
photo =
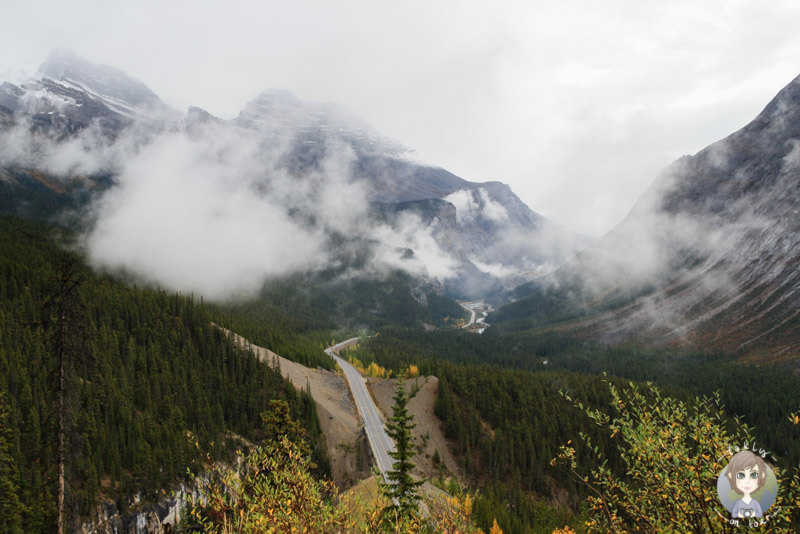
[(198, 266), (91, 147), (150, 385), (707, 258), (346, 447)]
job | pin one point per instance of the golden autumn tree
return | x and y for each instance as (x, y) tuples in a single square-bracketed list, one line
[(673, 453), (272, 491)]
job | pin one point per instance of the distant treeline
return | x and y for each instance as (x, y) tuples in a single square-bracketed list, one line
[(299, 316)]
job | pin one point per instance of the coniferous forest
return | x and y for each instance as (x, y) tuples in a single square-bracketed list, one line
[(151, 388), (501, 400), (150, 385)]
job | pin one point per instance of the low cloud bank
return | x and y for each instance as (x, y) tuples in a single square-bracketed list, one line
[(214, 210)]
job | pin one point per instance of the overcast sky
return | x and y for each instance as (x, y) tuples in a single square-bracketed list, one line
[(576, 104)]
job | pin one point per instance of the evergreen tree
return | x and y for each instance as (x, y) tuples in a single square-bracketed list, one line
[(402, 488), (10, 504), (139, 371), (277, 423)]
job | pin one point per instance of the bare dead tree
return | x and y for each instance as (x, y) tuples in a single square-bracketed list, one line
[(61, 322)]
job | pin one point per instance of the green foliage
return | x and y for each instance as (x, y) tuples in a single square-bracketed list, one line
[(151, 370), (34, 194), (277, 424), (11, 506), (272, 491), (673, 453), (401, 487), (285, 319), (397, 348), (297, 316), (507, 423), (682, 374), (537, 305), (519, 511)]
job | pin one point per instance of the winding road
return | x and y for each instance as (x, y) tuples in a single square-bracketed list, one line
[(472, 308), (379, 440)]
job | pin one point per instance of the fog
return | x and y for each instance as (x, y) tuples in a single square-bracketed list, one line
[(88, 153), (709, 248), (577, 105), (212, 209)]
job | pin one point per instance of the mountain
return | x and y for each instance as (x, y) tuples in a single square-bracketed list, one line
[(72, 129), (708, 256), (70, 94), (495, 240), (55, 119)]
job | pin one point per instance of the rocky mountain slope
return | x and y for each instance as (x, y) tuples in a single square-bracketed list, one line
[(70, 94), (708, 257), (70, 131)]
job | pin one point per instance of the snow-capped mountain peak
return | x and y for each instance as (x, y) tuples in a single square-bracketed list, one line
[(110, 84)]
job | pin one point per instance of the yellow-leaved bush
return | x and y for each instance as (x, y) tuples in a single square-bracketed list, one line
[(673, 453), (271, 491)]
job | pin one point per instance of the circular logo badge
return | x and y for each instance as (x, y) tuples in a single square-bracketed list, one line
[(747, 487)]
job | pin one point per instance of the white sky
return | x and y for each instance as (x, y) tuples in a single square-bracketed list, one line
[(576, 104)]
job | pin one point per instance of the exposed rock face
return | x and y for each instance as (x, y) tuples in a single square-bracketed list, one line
[(709, 256), (69, 95), (110, 84), (150, 518)]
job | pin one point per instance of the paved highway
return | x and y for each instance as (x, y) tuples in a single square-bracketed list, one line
[(472, 308), (467, 307), (379, 440)]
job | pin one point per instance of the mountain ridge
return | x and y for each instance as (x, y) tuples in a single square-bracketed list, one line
[(706, 258), (77, 120)]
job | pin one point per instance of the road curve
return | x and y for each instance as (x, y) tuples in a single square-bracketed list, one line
[(472, 315), (472, 308), (379, 440)]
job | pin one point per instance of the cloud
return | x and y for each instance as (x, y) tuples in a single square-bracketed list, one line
[(495, 269), (216, 210), (192, 214), (576, 104), (466, 207), (410, 245), (492, 210), (469, 208), (87, 153)]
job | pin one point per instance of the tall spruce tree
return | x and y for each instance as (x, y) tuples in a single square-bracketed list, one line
[(402, 488)]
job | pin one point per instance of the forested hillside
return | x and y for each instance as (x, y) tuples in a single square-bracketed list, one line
[(500, 403), (297, 316), (147, 376)]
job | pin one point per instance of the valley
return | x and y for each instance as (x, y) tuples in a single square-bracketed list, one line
[(477, 324), (344, 402), (179, 280)]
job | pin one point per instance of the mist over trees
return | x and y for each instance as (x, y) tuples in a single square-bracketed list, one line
[(152, 377)]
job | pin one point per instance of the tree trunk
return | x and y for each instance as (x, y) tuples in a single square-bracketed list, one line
[(61, 422)]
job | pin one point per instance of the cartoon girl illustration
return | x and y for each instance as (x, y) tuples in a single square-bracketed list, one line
[(746, 474)]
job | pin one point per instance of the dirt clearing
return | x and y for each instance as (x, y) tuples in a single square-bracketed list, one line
[(428, 434), (346, 444)]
